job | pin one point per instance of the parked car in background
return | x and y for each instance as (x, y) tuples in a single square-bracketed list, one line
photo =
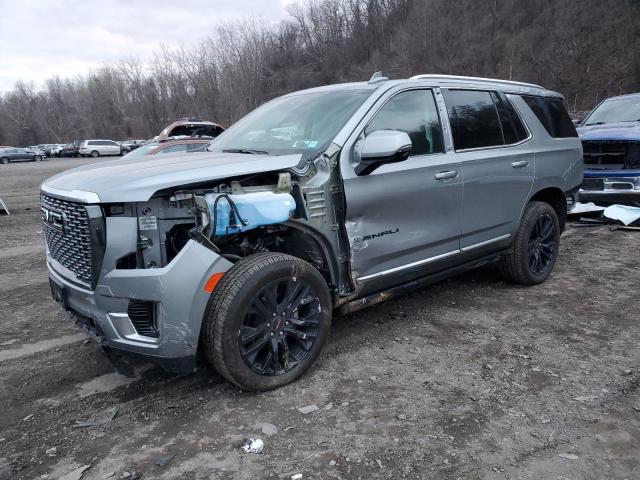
[(71, 149), (8, 155), (56, 151), (610, 137), (130, 145), (333, 198), (190, 128), (186, 145), (97, 148)]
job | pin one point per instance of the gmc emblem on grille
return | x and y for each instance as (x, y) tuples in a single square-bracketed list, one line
[(56, 220)]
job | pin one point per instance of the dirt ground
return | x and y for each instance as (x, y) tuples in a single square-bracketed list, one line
[(470, 378)]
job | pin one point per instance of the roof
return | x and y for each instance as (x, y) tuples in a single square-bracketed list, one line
[(622, 97), (452, 81)]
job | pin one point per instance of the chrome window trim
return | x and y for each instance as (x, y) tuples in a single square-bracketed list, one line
[(493, 147), (71, 195)]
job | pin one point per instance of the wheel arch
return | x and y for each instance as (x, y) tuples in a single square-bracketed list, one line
[(556, 198)]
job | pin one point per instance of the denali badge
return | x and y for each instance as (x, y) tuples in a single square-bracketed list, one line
[(56, 220), (375, 235)]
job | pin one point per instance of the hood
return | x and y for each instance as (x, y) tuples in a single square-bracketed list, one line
[(611, 131), (136, 181)]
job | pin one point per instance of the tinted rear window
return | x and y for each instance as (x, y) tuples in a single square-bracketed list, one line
[(553, 116), (474, 119)]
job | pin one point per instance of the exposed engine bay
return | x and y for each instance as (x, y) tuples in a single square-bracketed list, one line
[(287, 212)]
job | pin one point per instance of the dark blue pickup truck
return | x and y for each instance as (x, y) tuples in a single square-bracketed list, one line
[(611, 143)]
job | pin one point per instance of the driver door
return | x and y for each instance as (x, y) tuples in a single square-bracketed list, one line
[(403, 220)]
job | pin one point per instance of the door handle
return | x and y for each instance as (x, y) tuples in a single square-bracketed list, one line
[(448, 175), (520, 164)]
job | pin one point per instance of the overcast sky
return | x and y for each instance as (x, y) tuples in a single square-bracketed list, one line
[(43, 38)]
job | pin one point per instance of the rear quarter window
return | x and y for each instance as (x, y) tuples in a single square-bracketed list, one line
[(552, 115)]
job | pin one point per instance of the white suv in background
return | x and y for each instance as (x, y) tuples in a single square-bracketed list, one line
[(96, 148)]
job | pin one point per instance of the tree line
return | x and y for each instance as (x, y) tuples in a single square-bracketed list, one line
[(586, 50)]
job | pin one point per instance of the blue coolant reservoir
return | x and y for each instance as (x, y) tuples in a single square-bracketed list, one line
[(255, 209)]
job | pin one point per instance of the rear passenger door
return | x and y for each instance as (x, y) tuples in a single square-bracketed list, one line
[(497, 161)]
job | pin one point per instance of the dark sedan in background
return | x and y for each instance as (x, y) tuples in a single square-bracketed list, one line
[(8, 155), (611, 143)]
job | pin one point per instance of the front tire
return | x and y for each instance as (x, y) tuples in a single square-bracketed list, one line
[(4, 160), (37, 158), (535, 247), (267, 321)]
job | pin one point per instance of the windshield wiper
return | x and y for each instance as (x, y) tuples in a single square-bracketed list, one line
[(594, 123), (246, 150)]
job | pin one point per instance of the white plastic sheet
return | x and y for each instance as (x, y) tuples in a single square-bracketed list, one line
[(623, 213), (585, 208)]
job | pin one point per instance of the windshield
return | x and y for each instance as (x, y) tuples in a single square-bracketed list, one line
[(304, 123), (615, 110)]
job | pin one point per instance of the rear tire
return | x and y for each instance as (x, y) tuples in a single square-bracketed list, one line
[(4, 160), (95, 154), (267, 321), (37, 158), (534, 249)]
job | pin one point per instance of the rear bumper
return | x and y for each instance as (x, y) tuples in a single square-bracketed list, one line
[(176, 290)]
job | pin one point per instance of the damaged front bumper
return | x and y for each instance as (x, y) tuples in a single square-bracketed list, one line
[(611, 186), (155, 312)]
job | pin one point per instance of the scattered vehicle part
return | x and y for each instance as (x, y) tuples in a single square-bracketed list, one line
[(311, 204), (308, 409), (253, 445), (4, 207), (103, 418), (611, 142), (623, 213), (163, 461), (579, 208), (76, 473)]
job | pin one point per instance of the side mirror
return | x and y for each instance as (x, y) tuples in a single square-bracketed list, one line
[(383, 146)]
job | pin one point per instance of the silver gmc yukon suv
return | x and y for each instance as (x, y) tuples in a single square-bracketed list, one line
[(321, 201)]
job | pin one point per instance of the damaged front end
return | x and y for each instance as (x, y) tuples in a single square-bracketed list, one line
[(612, 171)]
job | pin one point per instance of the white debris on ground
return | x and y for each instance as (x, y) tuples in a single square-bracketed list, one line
[(253, 445), (623, 213), (578, 208)]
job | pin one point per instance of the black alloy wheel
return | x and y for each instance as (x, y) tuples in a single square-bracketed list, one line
[(267, 321), (542, 245), (279, 327)]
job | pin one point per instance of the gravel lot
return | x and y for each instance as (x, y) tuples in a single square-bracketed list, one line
[(471, 378)]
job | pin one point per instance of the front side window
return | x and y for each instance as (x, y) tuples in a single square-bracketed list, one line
[(302, 123), (474, 119), (552, 115), (415, 113), (615, 110)]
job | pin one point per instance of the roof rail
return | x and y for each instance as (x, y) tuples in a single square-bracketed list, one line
[(473, 79)]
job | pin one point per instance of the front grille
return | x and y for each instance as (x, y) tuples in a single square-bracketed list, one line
[(611, 154), (67, 233)]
